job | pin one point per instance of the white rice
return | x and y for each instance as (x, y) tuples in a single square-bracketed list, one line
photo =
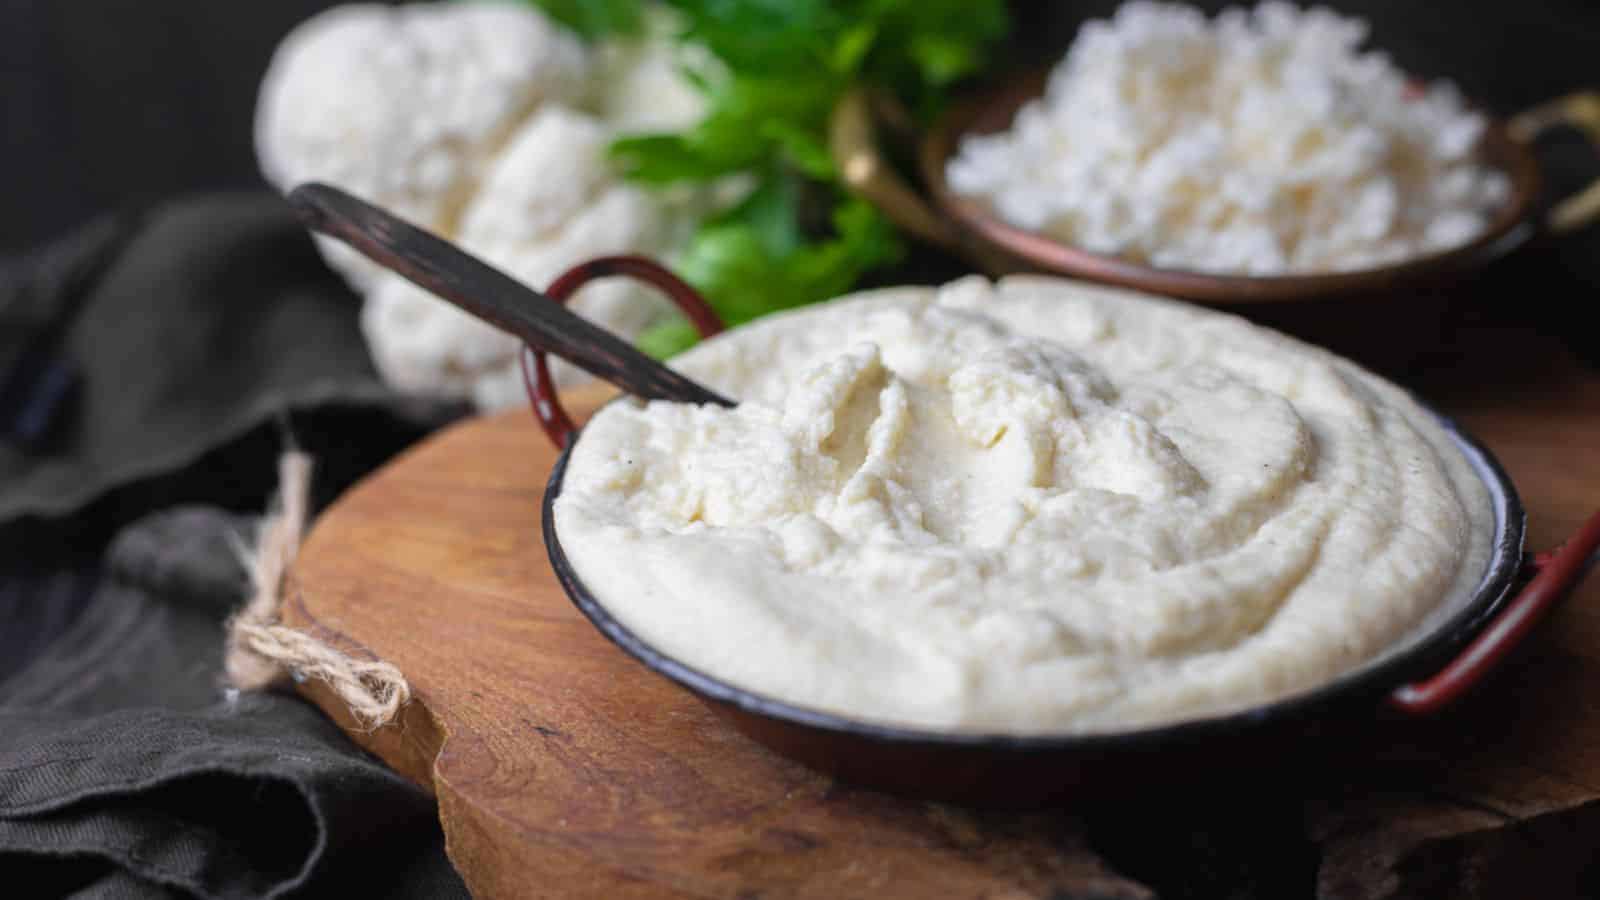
[(1260, 142)]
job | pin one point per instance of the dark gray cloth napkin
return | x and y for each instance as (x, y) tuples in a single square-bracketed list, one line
[(183, 331), (153, 367), (126, 770)]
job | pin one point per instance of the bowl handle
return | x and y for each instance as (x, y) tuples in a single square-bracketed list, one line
[(536, 368), (1554, 574), (1582, 112), (861, 119), (853, 142)]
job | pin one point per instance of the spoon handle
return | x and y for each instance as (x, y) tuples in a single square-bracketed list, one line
[(452, 274)]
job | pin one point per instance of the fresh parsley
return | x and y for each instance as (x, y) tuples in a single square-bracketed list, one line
[(782, 65)]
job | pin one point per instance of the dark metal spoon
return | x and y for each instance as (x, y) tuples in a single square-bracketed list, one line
[(452, 274)]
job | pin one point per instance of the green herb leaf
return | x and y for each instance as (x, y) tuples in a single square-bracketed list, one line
[(940, 58), (783, 65), (665, 158), (853, 46), (756, 259), (801, 148), (668, 337), (764, 37)]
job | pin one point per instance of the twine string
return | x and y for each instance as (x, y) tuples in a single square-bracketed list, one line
[(263, 653)]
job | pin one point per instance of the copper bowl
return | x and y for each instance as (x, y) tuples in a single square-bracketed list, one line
[(1420, 674), (968, 227)]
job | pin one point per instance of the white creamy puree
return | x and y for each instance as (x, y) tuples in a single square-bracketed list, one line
[(1026, 506)]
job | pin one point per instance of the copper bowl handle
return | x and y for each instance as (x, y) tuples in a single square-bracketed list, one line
[(854, 142), (861, 121), (1582, 112), (1555, 574), (541, 388)]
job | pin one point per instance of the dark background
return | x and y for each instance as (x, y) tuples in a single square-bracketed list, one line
[(110, 104)]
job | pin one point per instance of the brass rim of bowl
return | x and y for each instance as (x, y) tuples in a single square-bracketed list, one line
[(994, 110)]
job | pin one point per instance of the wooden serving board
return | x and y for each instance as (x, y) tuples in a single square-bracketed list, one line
[(562, 768)]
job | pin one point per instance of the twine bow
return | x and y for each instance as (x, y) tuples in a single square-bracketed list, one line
[(262, 652)]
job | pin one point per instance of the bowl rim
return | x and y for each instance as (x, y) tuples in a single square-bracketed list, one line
[(1387, 670), (988, 110)]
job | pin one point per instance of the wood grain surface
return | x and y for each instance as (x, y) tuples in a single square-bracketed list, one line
[(562, 768)]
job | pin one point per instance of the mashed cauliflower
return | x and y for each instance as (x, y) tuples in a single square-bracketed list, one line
[(1030, 506)]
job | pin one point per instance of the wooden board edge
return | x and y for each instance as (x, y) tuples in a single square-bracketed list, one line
[(410, 745)]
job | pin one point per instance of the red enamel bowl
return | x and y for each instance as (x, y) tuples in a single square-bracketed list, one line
[(1419, 675)]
